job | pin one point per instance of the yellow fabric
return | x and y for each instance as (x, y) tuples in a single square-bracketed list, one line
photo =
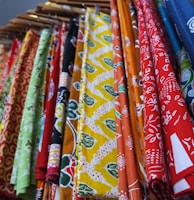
[(97, 174)]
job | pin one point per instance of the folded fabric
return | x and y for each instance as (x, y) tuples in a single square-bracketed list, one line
[(181, 15), (23, 175), (128, 184), (15, 104), (175, 119), (97, 174)]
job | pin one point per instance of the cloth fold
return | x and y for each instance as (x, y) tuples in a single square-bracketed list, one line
[(128, 184), (97, 175), (15, 103), (27, 145), (175, 119)]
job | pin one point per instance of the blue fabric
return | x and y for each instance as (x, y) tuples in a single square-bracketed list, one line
[(182, 15)]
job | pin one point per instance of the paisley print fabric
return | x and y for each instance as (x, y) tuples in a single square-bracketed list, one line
[(27, 145), (15, 103), (69, 142), (51, 86), (97, 174), (174, 117), (128, 179)]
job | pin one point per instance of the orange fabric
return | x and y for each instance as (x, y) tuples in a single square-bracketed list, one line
[(128, 179), (131, 58)]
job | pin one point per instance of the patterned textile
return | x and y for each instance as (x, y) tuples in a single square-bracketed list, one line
[(182, 17), (27, 145), (15, 104), (62, 100), (69, 145), (51, 85), (175, 119), (127, 174), (15, 46), (187, 81), (97, 174), (131, 57), (183, 60)]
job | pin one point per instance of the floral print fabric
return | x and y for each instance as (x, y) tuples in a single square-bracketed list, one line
[(175, 120)]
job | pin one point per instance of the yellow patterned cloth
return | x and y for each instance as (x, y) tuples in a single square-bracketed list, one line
[(96, 171)]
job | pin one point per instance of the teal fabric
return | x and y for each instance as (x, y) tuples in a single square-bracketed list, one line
[(23, 174)]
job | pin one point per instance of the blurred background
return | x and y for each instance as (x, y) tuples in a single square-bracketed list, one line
[(10, 8)]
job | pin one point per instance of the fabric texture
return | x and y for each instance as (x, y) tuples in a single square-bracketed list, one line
[(62, 100), (27, 146), (97, 174), (14, 106), (68, 160), (176, 122), (51, 86), (181, 15), (15, 46), (186, 71), (128, 25), (128, 184)]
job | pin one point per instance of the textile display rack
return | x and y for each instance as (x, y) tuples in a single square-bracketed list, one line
[(97, 101)]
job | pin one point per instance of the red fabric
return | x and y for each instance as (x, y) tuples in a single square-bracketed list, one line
[(42, 159), (164, 104), (15, 46), (14, 107)]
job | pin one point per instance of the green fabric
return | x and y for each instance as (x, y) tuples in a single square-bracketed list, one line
[(23, 174)]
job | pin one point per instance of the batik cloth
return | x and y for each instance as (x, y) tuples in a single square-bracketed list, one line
[(130, 44), (15, 104), (128, 184), (175, 119), (96, 169), (27, 146), (62, 100), (51, 85), (15, 46), (185, 72), (68, 160), (181, 15)]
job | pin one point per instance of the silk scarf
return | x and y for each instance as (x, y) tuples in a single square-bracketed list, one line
[(175, 119), (96, 169), (30, 125), (15, 104)]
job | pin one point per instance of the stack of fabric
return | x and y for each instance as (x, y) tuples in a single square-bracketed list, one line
[(99, 108)]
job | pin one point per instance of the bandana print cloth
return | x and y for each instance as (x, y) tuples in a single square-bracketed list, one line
[(175, 119)]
